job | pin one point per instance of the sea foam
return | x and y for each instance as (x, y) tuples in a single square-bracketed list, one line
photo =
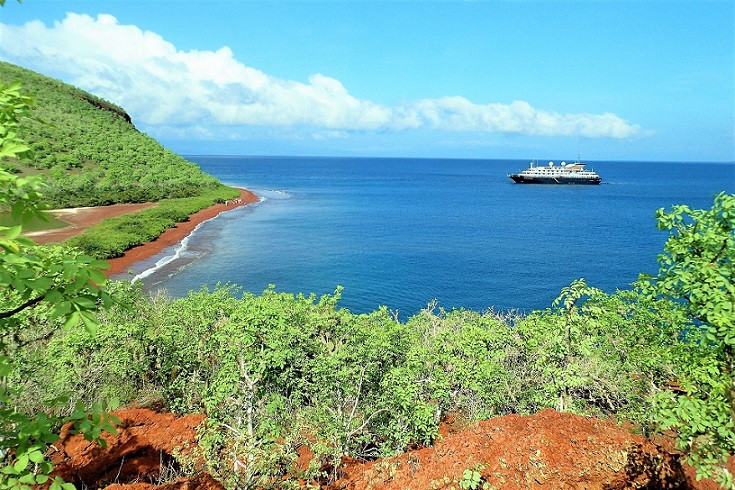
[(179, 250)]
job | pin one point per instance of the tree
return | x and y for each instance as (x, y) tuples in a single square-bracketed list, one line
[(62, 283), (697, 272)]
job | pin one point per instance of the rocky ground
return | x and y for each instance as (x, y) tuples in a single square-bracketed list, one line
[(546, 450)]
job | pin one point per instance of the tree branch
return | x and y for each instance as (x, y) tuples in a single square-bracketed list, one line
[(359, 429), (27, 304), (722, 249)]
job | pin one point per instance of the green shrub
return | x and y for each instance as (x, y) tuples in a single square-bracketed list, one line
[(292, 368), (697, 276)]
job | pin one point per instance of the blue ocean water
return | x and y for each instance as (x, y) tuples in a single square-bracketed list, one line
[(402, 232)]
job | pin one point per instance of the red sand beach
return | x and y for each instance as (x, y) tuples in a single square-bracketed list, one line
[(81, 218), (174, 235)]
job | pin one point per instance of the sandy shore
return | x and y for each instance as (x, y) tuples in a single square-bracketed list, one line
[(174, 235)]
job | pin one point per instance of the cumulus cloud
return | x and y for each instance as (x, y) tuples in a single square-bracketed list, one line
[(163, 86)]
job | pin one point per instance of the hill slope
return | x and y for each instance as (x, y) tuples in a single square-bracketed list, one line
[(89, 152)]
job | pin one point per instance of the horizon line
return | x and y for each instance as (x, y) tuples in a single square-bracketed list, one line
[(718, 162)]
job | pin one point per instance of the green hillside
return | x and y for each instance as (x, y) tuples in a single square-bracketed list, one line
[(90, 153)]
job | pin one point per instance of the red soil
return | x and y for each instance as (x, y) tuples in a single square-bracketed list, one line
[(134, 456), (547, 450)]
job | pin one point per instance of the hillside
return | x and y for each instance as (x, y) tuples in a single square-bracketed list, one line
[(90, 153)]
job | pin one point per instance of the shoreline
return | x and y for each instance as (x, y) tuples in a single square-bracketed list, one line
[(172, 236)]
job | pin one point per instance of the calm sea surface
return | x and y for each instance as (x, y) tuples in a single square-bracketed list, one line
[(402, 232)]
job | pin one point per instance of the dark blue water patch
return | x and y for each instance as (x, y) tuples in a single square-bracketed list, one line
[(402, 232)]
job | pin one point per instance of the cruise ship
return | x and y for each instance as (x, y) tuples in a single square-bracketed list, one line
[(565, 173)]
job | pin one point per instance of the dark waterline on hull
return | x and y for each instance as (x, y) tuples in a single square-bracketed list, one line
[(559, 181)]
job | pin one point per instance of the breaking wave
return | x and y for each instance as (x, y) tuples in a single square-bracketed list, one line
[(179, 251)]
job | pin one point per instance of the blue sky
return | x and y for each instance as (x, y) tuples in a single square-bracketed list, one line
[(648, 80)]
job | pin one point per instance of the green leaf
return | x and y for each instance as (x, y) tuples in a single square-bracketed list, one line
[(72, 320), (84, 303), (97, 276), (28, 478), (13, 231), (90, 321), (36, 456), (21, 463), (41, 283), (100, 264), (60, 309)]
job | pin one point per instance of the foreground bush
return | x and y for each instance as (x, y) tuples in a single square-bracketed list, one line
[(698, 274), (41, 289), (301, 370)]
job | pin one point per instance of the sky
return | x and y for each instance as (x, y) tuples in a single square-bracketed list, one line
[(610, 80)]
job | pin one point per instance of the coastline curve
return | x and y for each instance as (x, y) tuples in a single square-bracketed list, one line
[(175, 235)]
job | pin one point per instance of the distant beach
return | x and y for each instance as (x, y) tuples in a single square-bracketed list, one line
[(171, 236), (80, 219)]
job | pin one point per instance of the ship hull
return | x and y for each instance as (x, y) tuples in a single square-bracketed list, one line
[(523, 179)]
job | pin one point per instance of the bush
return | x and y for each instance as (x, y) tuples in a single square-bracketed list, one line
[(697, 276), (300, 370)]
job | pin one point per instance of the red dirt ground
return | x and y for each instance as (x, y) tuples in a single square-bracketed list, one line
[(81, 218), (135, 456), (549, 450), (546, 450)]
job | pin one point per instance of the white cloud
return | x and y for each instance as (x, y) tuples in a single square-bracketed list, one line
[(160, 85), (459, 114)]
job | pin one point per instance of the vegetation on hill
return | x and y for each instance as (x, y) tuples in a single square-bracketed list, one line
[(89, 153), (86, 152)]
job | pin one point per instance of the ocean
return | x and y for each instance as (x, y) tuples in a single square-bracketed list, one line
[(404, 232)]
